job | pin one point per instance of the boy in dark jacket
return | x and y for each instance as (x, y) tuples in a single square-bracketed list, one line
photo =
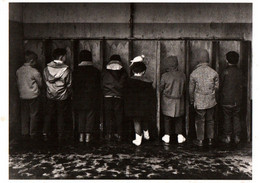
[(113, 81), (86, 90), (231, 96), (57, 77), (29, 82)]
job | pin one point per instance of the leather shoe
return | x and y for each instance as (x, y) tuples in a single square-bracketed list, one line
[(198, 143)]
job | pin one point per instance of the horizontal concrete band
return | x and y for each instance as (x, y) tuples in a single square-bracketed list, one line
[(140, 30)]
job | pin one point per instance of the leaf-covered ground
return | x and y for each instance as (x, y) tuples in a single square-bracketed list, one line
[(153, 160)]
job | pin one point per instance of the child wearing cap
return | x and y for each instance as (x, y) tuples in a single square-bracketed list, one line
[(231, 95), (139, 99), (113, 82)]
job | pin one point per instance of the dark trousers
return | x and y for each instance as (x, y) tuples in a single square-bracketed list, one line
[(86, 120), (231, 120), (202, 116), (177, 123), (30, 116), (113, 114), (59, 106)]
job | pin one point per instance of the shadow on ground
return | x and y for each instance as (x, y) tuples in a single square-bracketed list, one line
[(102, 160)]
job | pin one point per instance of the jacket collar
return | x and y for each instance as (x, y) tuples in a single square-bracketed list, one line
[(201, 64), (85, 63), (27, 64)]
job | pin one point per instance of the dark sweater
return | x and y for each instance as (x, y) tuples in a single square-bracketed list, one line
[(231, 86), (86, 87)]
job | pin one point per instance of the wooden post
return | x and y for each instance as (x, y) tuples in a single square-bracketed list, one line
[(187, 71), (157, 74), (249, 90), (102, 60)]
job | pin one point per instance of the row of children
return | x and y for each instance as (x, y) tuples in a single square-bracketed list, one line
[(130, 94)]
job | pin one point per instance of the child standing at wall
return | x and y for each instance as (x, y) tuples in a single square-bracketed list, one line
[(172, 87), (86, 90), (231, 96), (113, 81), (29, 81), (57, 77), (139, 99), (203, 86)]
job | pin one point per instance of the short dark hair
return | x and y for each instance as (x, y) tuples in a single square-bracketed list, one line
[(138, 67), (85, 55), (58, 52), (232, 57), (29, 55)]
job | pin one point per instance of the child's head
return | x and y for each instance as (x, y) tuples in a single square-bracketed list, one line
[(85, 55), (138, 68), (115, 63), (232, 57), (59, 54), (203, 56), (30, 57)]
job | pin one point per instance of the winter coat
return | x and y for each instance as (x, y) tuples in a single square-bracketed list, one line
[(57, 77), (29, 81), (113, 82), (172, 93), (140, 98), (86, 87), (204, 81), (231, 80)]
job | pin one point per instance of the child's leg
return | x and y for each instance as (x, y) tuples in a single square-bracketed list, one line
[(50, 110), (227, 125), (62, 108), (210, 123), (137, 126), (81, 121), (236, 121), (200, 123), (178, 123), (108, 105), (25, 117), (90, 116), (34, 115), (118, 109), (167, 125)]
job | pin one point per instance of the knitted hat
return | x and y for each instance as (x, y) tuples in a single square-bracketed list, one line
[(85, 55), (232, 57)]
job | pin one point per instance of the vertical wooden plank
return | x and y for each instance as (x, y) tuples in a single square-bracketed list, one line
[(158, 56), (102, 59), (249, 91), (187, 72)]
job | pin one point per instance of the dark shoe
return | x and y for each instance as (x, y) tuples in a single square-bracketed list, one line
[(87, 140), (237, 139), (210, 142), (118, 138), (198, 143)]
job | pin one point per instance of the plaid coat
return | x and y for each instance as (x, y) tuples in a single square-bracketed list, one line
[(204, 82)]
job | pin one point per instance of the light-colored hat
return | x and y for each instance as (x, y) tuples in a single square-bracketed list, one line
[(137, 59)]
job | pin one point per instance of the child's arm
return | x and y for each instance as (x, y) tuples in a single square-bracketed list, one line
[(191, 89), (38, 79)]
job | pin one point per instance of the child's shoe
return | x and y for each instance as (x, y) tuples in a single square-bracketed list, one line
[(146, 135), (138, 140), (237, 139), (81, 137), (181, 138), (166, 139), (87, 140)]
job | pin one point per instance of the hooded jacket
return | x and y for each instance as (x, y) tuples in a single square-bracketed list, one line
[(57, 77), (113, 81), (172, 92)]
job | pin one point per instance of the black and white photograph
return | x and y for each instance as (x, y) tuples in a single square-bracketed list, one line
[(129, 90)]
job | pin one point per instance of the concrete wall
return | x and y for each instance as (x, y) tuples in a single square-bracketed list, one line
[(171, 20), (15, 61)]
